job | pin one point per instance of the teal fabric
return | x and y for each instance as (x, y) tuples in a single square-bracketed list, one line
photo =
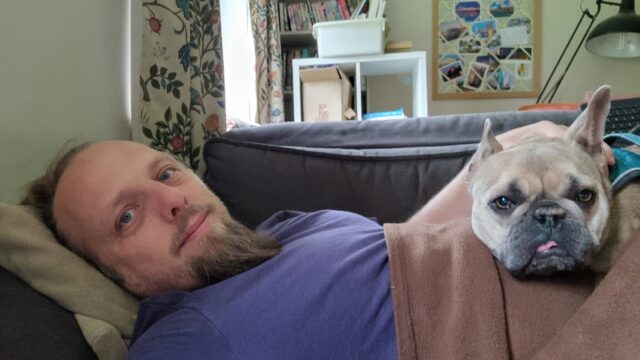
[(627, 166)]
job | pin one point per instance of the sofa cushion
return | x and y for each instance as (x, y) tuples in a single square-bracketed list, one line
[(384, 169), (34, 327)]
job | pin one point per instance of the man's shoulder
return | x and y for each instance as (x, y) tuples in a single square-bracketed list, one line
[(320, 218)]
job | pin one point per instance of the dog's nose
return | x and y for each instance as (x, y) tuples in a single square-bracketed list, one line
[(549, 214)]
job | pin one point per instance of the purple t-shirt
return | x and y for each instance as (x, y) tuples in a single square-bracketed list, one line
[(325, 296)]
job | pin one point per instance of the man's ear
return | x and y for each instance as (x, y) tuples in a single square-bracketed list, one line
[(588, 129), (488, 146)]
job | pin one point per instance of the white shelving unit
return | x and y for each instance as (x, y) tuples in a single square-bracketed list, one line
[(413, 63)]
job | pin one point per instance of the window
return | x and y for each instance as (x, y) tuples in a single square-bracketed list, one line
[(239, 60)]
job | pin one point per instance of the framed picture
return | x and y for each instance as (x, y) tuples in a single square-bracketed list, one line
[(486, 49)]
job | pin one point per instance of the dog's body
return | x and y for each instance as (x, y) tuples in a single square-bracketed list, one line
[(545, 206), (624, 221)]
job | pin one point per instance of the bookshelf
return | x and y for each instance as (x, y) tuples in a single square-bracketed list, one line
[(296, 19), (413, 63), (297, 39)]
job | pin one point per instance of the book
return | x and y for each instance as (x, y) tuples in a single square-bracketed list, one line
[(373, 9), (385, 115), (353, 4), (358, 9), (344, 9), (301, 16), (292, 22), (398, 45), (381, 7), (310, 13), (336, 10), (288, 55)]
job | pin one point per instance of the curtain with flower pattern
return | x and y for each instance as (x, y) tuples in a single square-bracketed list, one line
[(181, 78), (266, 35)]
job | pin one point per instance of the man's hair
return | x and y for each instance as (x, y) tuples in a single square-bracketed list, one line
[(41, 192)]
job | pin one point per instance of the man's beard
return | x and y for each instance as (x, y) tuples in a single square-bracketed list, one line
[(228, 250)]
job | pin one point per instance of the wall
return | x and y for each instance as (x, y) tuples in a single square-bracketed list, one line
[(62, 76), (412, 20)]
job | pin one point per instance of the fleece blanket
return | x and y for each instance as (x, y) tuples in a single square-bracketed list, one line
[(453, 300)]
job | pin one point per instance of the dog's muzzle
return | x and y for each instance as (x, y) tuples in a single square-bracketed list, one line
[(547, 240)]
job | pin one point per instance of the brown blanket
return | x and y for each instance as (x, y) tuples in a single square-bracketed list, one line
[(453, 300)]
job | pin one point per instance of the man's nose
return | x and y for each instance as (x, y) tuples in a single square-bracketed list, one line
[(170, 201)]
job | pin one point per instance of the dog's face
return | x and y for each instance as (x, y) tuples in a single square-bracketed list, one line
[(542, 206)]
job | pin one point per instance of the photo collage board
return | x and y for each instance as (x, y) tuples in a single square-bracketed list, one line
[(486, 48)]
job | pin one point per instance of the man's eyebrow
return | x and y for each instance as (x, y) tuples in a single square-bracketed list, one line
[(161, 158)]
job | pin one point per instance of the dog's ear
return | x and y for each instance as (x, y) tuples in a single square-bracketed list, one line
[(489, 145), (588, 129)]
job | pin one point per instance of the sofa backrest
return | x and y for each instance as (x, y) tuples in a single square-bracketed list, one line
[(382, 169)]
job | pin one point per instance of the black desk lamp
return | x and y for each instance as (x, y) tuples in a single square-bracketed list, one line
[(617, 36)]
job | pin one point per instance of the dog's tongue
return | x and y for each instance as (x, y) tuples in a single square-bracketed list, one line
[(546, 246)]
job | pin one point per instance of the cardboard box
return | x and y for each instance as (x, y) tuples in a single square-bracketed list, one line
[(326, 94), (349, 37)]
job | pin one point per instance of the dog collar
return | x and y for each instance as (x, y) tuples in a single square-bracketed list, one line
[(627, 166)]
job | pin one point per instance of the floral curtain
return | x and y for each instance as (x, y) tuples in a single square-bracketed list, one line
[(266, 35), (181, 78)]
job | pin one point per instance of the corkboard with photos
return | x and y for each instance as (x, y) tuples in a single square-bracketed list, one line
[(486, 49)]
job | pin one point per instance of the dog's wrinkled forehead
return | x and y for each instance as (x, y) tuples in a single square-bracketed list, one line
[(548, 160), (537, 151)]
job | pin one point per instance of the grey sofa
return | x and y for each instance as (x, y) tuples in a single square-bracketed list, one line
[(385, 170)]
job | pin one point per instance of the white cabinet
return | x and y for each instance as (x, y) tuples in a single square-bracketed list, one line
[(413, 63)]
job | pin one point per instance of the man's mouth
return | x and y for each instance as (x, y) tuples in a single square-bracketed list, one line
[(194, 230)]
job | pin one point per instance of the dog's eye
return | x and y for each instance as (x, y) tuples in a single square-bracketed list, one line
[(585, 196), (503, 203)]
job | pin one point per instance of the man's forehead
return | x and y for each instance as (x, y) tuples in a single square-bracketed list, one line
[(121, 147), (96, 175), (106, 162), (115, 153)]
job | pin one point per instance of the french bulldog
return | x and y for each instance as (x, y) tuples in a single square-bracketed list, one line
[(545, 205)]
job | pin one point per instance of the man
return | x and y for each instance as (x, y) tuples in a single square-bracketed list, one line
[(313, 285)]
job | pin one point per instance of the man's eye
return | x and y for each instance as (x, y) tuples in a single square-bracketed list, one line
[(126, 217), (166, 174), (503, 203)]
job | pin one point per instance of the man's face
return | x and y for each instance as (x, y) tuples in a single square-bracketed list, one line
[(140, 213)]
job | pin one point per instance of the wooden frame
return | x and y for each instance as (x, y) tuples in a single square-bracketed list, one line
[(485, 49)]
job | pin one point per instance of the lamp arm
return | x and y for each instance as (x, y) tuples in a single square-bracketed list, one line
[(552, 91), (608, 3), (566, 69)]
